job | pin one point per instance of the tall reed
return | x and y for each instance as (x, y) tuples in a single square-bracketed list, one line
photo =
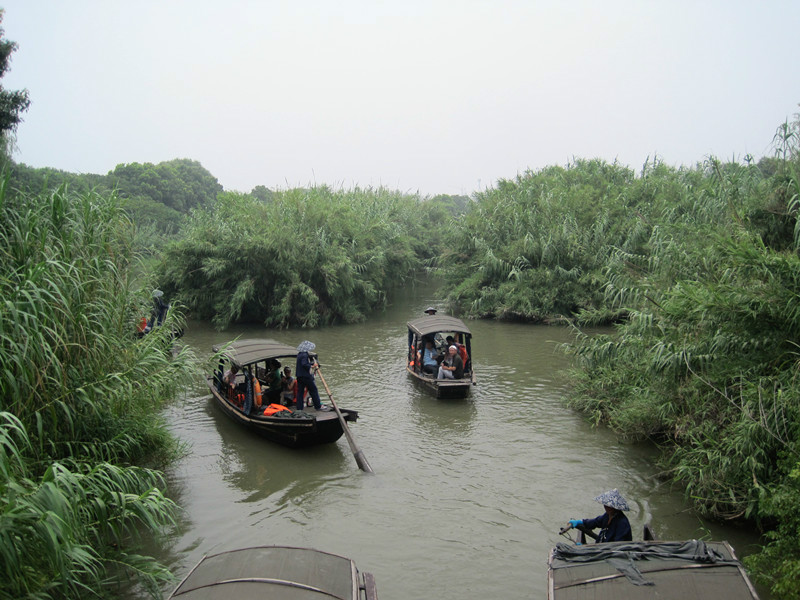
[(305, 257), (78, 400)]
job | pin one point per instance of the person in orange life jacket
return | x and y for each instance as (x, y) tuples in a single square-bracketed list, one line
[(452, 366), (614, 525), (305, 369), (289, 386)]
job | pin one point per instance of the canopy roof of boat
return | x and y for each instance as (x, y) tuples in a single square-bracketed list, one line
[(279, 572), (248, 352), (435, 323)]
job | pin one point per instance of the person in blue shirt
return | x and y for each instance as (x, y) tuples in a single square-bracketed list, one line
[(614, 525), (428, 357)]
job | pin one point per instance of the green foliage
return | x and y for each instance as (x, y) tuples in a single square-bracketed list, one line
[(536, 247), (12, 103), (179, 185), (706, 362), (306, 257), (78, 399)]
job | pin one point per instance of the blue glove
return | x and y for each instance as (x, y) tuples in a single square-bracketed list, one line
[(575, 522)]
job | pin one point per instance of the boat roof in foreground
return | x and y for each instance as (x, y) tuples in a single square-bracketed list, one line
[(645, 570), (435, 323), (274, 572), (247, 352)]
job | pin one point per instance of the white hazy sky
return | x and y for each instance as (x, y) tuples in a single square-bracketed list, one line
[(435, 97)]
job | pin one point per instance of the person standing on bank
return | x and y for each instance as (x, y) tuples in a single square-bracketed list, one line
[(304, 372), (614, 525), (452, 366)]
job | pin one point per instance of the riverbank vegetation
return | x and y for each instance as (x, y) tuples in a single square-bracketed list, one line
[(705, 363), (699, 270), (304, 257), (80, 396)]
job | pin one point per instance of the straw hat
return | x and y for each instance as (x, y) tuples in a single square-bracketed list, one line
[(306, 346), (613, 499)]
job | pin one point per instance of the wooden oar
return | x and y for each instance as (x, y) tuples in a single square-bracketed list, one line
[(361, 460)]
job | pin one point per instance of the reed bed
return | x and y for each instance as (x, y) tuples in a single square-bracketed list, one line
[(79, 397), (305, 257)]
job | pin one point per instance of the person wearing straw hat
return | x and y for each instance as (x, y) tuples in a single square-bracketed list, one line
[(614, 525), (304, 373)]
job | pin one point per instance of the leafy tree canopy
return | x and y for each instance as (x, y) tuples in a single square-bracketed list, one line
[(12, 103), (180, 184)]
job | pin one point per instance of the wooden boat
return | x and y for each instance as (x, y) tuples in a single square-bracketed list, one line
[(685, 570), (295, 429), (275, 572), (437, 328)]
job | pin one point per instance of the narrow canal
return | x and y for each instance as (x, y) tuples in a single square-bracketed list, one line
[(467, 496)]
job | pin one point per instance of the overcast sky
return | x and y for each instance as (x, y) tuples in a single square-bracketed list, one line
[(436, 97)]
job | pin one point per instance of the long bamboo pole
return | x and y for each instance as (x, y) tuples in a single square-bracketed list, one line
[(361, 460)]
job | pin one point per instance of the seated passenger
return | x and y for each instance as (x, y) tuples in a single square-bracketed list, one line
[(427, 357), (462, 349), (289, 387), (274, 382), (452, 366), (230, 376)]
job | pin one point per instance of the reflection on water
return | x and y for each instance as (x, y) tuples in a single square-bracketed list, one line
[(467, 495)]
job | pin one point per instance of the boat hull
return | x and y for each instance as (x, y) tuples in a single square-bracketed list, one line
[(318, 428), (443, 388)]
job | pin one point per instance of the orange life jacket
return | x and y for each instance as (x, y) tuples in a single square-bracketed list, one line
[(142, 325), (257, 392), (273, 408)]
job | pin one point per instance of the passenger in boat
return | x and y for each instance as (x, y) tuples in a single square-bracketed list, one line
[(305, 369), (427, 357), (274, 381), (614, 525), (462, 349), (289, 386), (452, 366), (230, 376)]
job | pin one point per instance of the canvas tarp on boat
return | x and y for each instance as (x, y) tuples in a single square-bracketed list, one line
[(633, 570)]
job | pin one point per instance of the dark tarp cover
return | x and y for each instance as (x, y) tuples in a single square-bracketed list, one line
[(685, 569)]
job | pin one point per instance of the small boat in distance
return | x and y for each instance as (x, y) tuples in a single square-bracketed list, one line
[(437, 328), (275, 572), (682, 570), (254, 359)]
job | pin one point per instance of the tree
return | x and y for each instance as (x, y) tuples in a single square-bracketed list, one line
[(12, 103), (180, 184)]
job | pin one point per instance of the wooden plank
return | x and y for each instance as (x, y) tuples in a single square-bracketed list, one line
[(370, 589)]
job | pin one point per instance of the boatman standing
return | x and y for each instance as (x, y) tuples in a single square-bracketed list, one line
[(304, 372)]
